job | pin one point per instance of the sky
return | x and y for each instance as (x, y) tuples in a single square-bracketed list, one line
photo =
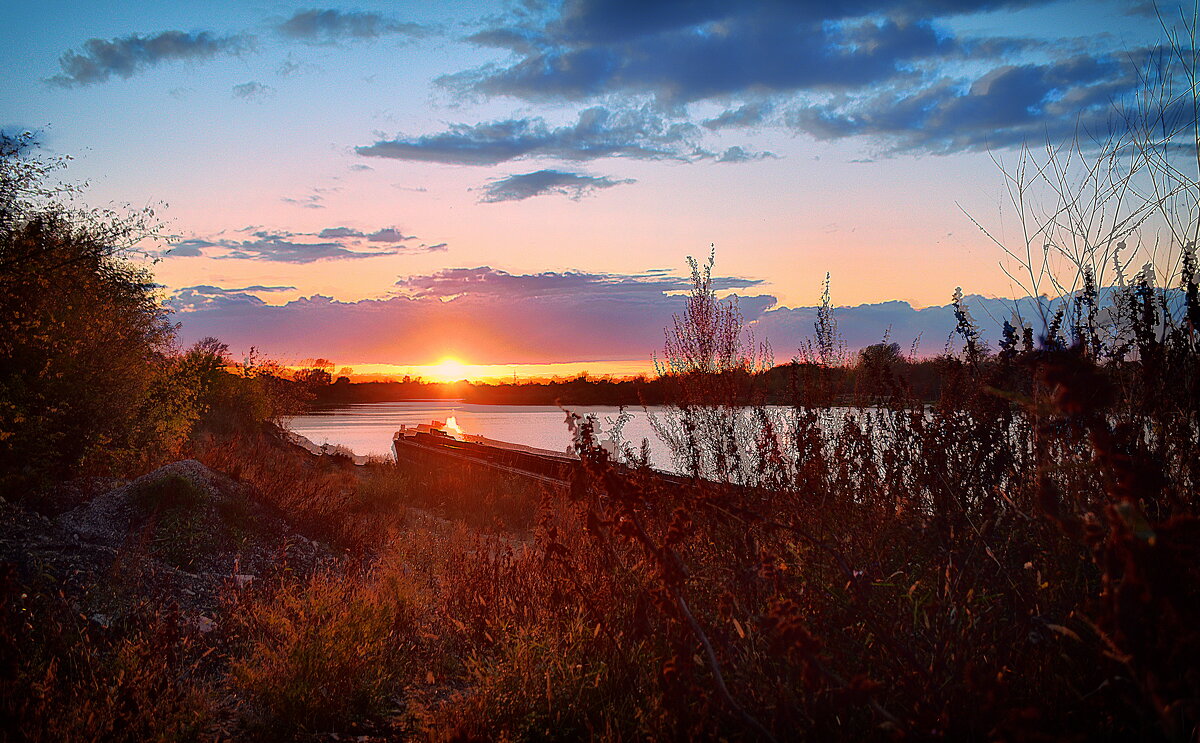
[(519, 184)]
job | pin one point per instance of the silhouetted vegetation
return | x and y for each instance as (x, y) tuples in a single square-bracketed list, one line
[(774, 386)]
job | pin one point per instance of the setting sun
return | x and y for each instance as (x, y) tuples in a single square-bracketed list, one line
[(447, 370)]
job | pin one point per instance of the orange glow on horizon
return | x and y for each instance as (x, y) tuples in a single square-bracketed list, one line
[(453, 370), (448, 370)]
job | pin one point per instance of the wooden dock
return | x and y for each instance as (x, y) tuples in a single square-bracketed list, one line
[(430, 445)]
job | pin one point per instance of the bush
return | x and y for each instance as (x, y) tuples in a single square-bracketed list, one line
[(88, 383)]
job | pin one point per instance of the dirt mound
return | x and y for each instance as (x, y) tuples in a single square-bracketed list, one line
[(183, 535), (192, 518)]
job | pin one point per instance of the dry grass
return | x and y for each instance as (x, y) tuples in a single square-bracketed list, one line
[(321, 654), (64, 677)]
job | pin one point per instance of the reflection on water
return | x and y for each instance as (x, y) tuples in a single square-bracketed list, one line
[(368, 428)]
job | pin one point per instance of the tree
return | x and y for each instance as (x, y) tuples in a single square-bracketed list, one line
[(315, 376), (88, 381), (880, 355)]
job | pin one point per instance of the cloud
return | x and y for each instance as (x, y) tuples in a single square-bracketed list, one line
[(890, 70), (517, 40), (487, 315), (1007, 105), (278, 248), (331, 243), (190, 248), (749, 114), (311, 201), (599, 132), (314, 198), (125, 56), (737, 154), (930, 328), (485, 280), (336, 232), (205, 296), (766, 48), (253, 91), (614, 21), (261, 288), (482, 315), (389, 235), (331, 26), (573, 185)]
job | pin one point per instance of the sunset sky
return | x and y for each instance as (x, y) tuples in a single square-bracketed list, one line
[(520, 183)]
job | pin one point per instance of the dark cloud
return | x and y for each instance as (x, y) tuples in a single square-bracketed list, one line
[(331, 26), (331, 243), (789, 329), (382, 235), (537, 183), (253, 91), (191, 248), (265, 246), (749, 114), (389, 235), (518, 40), (887, 69), (600, 132), (481, 314), (1147, 9), (611, 21), (336, 232), (123, 57), (750, 51), (1008, 105)]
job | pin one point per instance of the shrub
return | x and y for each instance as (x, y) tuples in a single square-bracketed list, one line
[(88, 383)]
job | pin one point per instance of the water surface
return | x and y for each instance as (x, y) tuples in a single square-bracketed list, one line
[(367, 428)]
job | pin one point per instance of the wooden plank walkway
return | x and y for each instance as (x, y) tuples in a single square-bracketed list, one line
[(431, 446)]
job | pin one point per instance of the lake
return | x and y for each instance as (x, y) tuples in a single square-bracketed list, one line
[(367, 428)]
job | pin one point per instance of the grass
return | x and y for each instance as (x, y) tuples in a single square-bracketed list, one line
[(66, 677), (321, 654), (178, 527)]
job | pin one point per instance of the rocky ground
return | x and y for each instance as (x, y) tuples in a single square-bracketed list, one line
[(178, 536)]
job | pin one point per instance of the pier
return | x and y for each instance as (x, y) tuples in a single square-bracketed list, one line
[(432, 445)]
